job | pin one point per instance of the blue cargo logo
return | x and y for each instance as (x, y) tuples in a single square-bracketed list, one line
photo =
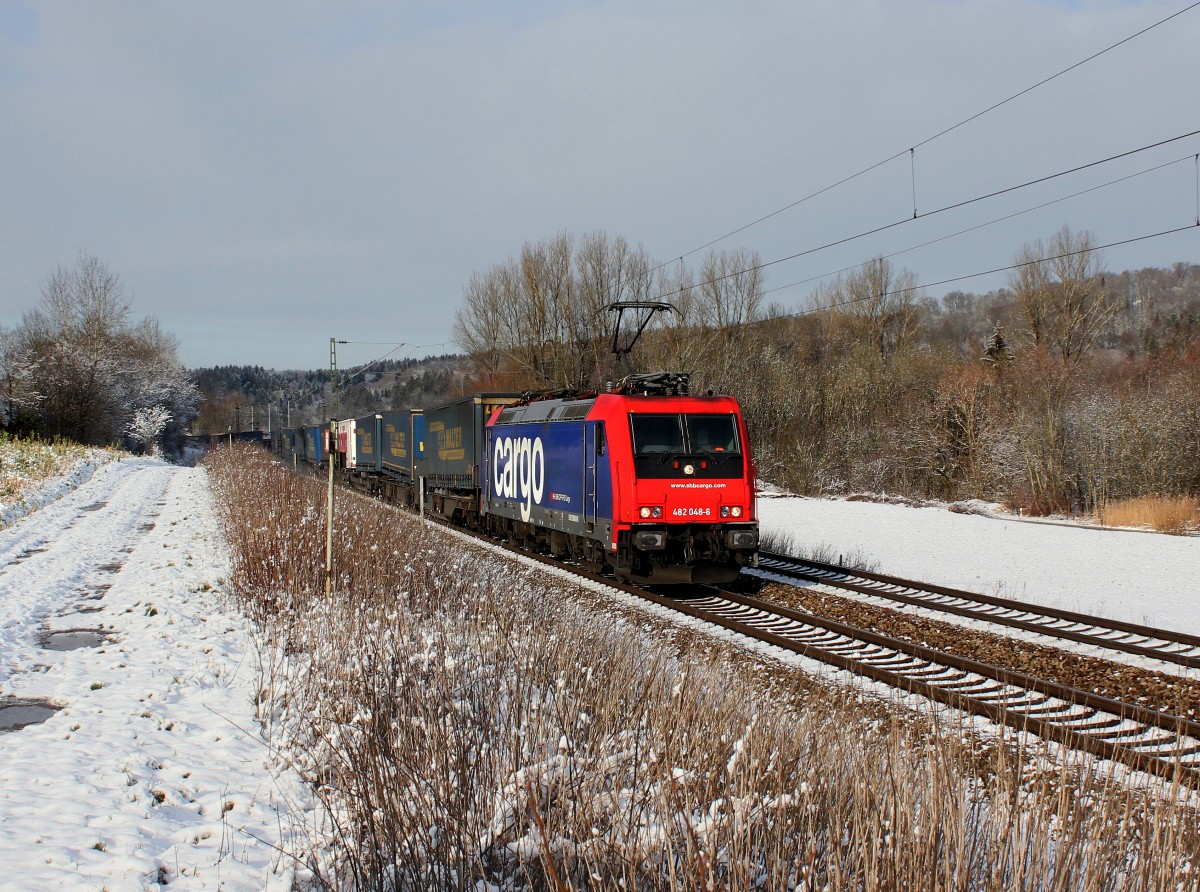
[(519, 471)]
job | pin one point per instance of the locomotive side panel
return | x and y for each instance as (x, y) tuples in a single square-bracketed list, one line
[(546, 473)]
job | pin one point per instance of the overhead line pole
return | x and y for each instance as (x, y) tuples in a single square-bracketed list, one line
[(329, 453)]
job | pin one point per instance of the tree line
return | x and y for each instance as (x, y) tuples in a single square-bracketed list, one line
[(243, 398), (79, 367), (1066, 389)]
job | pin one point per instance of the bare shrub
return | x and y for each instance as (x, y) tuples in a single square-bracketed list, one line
[(471, 724)]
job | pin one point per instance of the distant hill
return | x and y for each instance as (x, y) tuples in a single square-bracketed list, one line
[(244, 398)]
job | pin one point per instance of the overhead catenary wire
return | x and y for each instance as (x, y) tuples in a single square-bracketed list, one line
[(988, 272), (992, 222), (912, 149), (362, 370), (959, 204), (365, 368)]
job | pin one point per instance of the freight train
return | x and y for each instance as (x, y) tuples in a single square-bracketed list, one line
[(645, 481)]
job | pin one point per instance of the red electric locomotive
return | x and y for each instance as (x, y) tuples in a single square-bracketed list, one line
[(654, 483), (645, 481)]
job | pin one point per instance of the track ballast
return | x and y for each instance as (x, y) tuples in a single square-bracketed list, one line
[(1141, 738), (1131, 638)]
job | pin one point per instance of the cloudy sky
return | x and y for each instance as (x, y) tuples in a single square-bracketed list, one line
[(265, 176)]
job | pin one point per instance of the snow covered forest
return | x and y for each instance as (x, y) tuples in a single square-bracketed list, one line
[(79, 367), (249, 397), (1072, 389), (1069, 390)]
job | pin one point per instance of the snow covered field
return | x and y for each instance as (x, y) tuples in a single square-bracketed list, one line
[(1147, 578), (152, 770)]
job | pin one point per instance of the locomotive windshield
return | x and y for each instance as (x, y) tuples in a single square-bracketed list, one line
[(712, 433), (657, 433), (662, 443)]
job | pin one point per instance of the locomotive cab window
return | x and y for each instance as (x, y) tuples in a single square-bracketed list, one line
[(691, 445), (712, 433), (657, 434)]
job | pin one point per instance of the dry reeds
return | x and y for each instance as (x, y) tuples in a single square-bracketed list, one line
[(472, 724), (1175, 515)]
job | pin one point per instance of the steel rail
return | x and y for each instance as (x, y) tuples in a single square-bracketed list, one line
[(999, 694), (1174, 647)]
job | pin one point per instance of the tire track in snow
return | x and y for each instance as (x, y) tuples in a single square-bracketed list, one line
[(67, 555)]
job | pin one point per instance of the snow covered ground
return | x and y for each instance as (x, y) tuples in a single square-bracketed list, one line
[(151, 771), (34, 497), (1141, 577)]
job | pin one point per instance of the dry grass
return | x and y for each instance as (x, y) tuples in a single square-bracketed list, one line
[(1166, 514), (471, 724), (788, 544), (26, 463)]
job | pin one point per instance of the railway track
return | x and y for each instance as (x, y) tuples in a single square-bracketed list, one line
[(1132, 638), (1144, 739), (1141, 738)]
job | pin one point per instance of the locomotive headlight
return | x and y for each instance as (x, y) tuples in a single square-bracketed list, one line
[(647, 511), (689, 469), (731, 511)]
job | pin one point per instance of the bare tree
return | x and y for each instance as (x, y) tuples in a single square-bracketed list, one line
[(1030, 283), (18, 388), (607, 270), (73, 339), (730, 290), (1082, 305), (540, 321), (146, 427), (549, 285), (877, 304), (1060, 289), (88, 369)]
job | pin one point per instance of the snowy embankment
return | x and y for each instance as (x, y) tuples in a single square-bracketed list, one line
[(1142, 577), (33, 474), (152, 769)]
